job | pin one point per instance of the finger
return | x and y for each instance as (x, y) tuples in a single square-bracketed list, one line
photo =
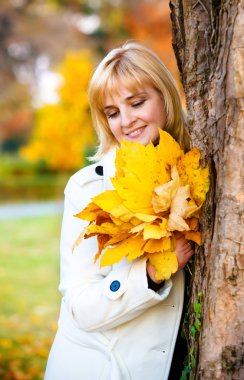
[(189, 245), (183, 260), (187, 252), (186, 248), (181, 239), (190, 254)]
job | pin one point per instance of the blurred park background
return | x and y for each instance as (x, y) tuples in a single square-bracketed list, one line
[(48, 49)]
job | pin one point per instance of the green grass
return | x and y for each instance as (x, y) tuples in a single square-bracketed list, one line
[(29, 301), (22, 181)]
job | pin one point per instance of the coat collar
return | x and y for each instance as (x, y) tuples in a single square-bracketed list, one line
[(108, 163)]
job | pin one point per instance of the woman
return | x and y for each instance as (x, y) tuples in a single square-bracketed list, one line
[(119, 322)]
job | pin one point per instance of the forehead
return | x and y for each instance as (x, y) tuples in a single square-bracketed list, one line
[(121, 83), (123, 93)]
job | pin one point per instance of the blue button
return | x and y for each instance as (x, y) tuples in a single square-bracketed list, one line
[(115, 285)]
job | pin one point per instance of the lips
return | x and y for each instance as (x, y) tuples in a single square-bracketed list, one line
[(136, 132)]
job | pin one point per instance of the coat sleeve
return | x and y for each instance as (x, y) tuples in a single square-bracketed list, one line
[(99, 298)]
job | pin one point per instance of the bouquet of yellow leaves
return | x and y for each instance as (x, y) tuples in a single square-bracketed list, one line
[(157, 190)]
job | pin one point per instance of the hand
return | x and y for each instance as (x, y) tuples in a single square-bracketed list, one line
[(183, 250), (151, 271)]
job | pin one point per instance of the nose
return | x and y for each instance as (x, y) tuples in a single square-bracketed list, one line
[(127, 118)]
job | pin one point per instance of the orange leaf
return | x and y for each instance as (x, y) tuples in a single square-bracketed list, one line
[(193, 223), (195, 236), (102, 240)]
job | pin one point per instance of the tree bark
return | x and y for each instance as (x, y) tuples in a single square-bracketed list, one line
[(208, 39)]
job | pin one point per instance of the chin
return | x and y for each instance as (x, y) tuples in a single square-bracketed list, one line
[(146, 141)]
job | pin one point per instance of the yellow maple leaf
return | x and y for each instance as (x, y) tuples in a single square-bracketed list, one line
[(180, 209), (165, 263), (168, 244), (107, 200), (90, 212), (168, 150), (157, 190), (153, 245), (159, 245), (131, 247), (104, 228), (145, 217), (192, 173), (140, 227), (163, 227), (130, 181), (163, 194), (117, 239), (121, 213), (152, 231)]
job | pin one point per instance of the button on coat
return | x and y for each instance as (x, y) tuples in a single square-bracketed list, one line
[(99, 170), (115, 285)]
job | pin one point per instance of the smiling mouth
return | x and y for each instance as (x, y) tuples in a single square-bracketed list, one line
[(136, 132)]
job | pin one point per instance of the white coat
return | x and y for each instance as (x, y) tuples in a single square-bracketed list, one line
[(111, 325)]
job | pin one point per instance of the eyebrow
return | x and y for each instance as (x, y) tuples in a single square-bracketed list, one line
[(128, 98)]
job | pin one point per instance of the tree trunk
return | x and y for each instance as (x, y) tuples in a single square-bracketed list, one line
[(208, 39)]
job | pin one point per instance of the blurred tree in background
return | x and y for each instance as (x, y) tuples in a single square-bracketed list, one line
[(63, 131), (34, 38)]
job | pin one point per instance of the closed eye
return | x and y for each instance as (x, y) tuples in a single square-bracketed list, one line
[(138, 104), (112, 115)]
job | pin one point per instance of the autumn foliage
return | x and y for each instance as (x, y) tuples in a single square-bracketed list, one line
[(150, 24), (63, 131), (157, 192)]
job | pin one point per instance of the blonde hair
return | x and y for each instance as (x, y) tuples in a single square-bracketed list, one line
[(135, 66)]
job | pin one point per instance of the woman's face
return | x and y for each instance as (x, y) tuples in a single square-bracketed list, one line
[(135, 116)]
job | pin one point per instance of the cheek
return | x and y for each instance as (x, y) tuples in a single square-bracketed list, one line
[(155, 114), (160, 118), (114, 128), (110, 125)]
